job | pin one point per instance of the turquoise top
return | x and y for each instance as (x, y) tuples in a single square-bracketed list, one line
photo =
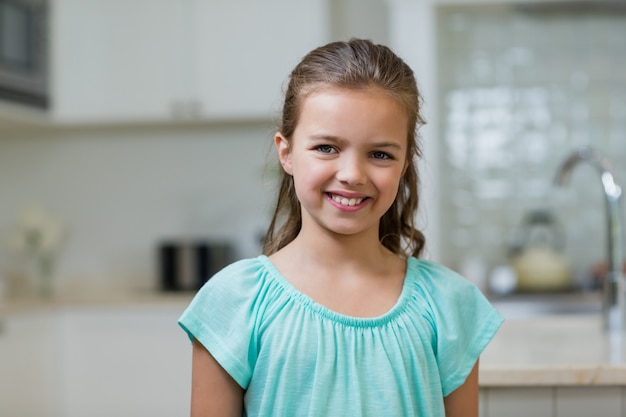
[(295, 357)]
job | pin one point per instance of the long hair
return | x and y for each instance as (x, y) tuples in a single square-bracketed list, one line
[(356, 64)]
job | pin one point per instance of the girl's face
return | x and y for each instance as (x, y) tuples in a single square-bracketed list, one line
[(347, 156)]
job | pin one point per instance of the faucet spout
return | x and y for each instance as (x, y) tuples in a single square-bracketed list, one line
[(613, 287), (599, 161)]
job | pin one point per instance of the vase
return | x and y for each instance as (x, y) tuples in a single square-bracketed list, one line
[(45, 283), (42, 271)]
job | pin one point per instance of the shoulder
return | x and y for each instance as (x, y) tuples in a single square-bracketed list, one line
[(223, 315), (445, 292), (242, 269), (234, 284), (233, 294), (239, 277), (433, 275)]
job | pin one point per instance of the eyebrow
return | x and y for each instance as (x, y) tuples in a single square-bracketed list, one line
[(337, 139)]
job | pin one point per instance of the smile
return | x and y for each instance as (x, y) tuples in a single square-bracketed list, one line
[(347, 201)]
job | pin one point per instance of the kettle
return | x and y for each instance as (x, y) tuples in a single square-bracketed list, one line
[(536, 254)]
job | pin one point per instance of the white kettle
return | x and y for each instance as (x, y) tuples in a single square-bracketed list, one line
[(536, 255)]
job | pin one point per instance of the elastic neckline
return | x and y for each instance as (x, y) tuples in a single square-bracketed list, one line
[(340, 318)]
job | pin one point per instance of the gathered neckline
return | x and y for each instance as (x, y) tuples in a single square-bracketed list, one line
[(329, 314)]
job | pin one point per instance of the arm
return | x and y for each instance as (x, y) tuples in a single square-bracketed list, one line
[(214, 392), (463, 402)]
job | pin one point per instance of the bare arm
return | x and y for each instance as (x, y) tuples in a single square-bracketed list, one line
[(463, 402), (214, 393)]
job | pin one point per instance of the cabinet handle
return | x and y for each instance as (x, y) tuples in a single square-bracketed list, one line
[(195, 109), (186, 110), (178, 109)]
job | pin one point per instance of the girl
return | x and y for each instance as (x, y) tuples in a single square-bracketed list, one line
[(339, 316)]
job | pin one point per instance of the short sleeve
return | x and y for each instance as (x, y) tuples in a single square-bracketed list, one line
[(464, 321), (221, 318)]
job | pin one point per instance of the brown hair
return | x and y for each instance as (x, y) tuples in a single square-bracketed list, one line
[(356, 64)]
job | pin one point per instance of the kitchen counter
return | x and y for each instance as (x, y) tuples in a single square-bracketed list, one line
[(98, 299), (542, 350), (553, 350)]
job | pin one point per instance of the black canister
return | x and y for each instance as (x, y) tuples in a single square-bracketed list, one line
[(187, 265)]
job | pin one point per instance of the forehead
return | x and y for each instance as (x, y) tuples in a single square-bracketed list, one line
[(367, 112), (359, 92)]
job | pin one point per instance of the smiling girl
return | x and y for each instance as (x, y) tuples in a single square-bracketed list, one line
[(340, 316)]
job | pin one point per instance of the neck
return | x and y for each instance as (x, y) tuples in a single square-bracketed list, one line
[(340, 250)]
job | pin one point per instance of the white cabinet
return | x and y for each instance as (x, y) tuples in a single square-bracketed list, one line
[(245, 49), (518, 402), (162, 60), (29, 357), (562, 401), (116, 60), (133, 361), (589, 401)]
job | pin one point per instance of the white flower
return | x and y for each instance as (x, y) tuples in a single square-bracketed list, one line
[(38, 233)]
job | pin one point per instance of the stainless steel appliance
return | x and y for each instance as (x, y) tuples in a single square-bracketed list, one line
[(187, 265), (24, 46)]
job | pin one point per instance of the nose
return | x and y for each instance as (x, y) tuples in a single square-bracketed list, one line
[(351, 170)]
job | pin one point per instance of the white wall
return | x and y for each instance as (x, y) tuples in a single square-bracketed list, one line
[(121, 190)]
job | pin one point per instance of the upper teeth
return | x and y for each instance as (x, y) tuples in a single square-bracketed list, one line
[(347, 201)]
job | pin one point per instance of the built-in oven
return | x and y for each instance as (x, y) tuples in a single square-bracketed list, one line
[(24, 49)]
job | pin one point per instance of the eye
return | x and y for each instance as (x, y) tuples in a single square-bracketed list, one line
[(381, 155), (325, 149)]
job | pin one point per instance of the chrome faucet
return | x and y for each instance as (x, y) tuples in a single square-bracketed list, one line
[(613, 306)]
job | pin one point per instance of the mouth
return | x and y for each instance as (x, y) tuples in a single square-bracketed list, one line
[(345, 201)]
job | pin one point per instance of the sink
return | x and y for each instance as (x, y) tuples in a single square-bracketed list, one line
[(520, 306)]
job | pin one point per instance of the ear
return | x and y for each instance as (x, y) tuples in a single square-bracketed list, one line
[(284, 152)]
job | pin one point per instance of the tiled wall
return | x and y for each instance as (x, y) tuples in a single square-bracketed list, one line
[(521, 88)]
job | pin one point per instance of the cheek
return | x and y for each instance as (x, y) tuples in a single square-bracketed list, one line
[(307, 178), (307, 169), (310, 179), (390, 186), (392, 178)]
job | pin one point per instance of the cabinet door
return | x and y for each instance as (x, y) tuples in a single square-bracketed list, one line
[(29, 365), (130, 361), (245, 49), (589, 401), (519, 402), (155, 60), (117, 60)]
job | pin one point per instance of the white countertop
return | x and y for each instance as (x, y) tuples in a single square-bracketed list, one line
[(35, 304), (554, 350)]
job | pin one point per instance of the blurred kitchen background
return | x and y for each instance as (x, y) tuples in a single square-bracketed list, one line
[(135, 138), (520, 86), (149, 126)]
